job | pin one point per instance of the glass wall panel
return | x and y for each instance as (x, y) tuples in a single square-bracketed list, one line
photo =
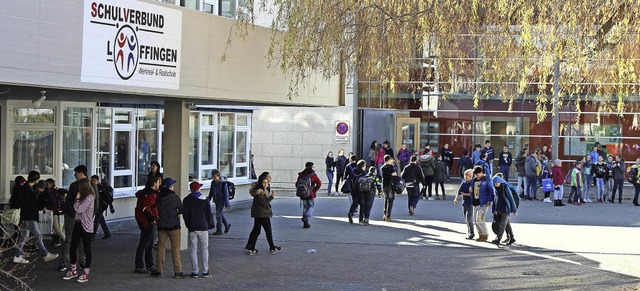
[(208, 148), (241, 147), (226, 142), (147, 143), (32, 150), (194, 160), (104, 143), (122, 160), (76, 141), (33, 115)]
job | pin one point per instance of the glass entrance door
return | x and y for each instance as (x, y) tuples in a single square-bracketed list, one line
[(122, 145), (408, 132)]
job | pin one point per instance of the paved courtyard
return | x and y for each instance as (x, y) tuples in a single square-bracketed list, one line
[(594, 246)]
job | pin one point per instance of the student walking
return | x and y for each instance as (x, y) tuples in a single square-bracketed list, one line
[(83, 230), (483, 193), (261, 213), (389, 195), (219, 193), (465, 190), (502, 207), (505, 162), (308, 176), (198, 220), (413, 177), (464, 163), (105, 202)]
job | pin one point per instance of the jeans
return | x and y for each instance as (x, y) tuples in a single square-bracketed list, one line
[(69, 225), (585, 186), (379, 168), (413, 194), (355, 202), (532, 187), (58, 226), (339, 177), (558, 193), (366, 203), (78, 234), (505, 172), (447, 172), (258, 222), (199, 241), (600, 187), (389, 197), (221, 221), (491, 167), (330, 177), (99, 220), (521, 181), (504, 225), (609, 187), (307, 210), (145, 248), (467, 212), (30, 226), (174, 237), (576, 194), (480, 215), (617, 184)]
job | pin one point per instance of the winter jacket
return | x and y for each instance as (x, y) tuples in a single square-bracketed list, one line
[(440, 172), (530, 165), (330, 164), (489, 152), (619, 171), (197, 212), (103, 188), (261, 206), (373, 155), (169, 207), (146, 211), (29, 203), (428, 165), (341, 164), (483, 191), (447, 157), (465, 163), (504, 199), (386, 170), (505, 159), (219, 192), (600, 170), (71, 198), (475, 156), (412, 175), (380, 156), (315, 182), (520, 163), (404, 156), (576, 178), (388, 151), (557, 176), (485, 166), (465, 187)]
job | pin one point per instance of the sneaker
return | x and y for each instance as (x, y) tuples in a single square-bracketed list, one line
[(577, 203), (50, 257), (350, 216), (588, 200), (254, 252), (217, 233), (546, 200), (62, 268), (180, 276), (276, 250), (70, 275), (430, 198), (20, 260), (511, 241), (155, 273), (194, 275), (411, 210), (206, 274), (106, 236), (226, 228), (141, 271), (83, 278)]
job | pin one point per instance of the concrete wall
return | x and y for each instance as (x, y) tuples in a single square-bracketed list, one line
[(41, 45), (285, 138)]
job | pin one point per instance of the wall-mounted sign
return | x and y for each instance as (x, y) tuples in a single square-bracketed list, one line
[(342, 131), (126, 42)]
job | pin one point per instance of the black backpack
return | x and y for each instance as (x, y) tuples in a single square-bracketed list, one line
[(232, 189), (632, 176), (364, 184), (303, 187), (397, 184)]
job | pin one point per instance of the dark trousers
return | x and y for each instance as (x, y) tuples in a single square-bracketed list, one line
[(505, 172), (414, 196), (80, 234), (441, 184), (505, 225), (635, 197), (145, 248), (389, 197), (366, 203), (575, 192), (339, 177), (355, 202), (428, 181), (260, 222), (617, 184), (99, 220)]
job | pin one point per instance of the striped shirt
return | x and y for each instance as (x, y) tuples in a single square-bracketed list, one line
[(84, 212)]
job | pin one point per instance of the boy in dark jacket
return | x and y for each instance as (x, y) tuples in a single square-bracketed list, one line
[(169, 207), (482, 198), (106, 194), (505, 162), (198, 219), (467, 207), (413, 177), (464, 163), (146, 214), (308, 203), (447, 158), (219, 193), (440, 176)]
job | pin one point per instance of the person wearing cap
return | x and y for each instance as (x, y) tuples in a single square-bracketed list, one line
[(308, 203), (169, 209), (198, 219), (219, 193), (80, 173), (146, 214)]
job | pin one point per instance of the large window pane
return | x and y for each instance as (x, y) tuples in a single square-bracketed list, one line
[(123, 140), (208, 148), (76, 141), (32, 115), (226, 144), (193, 149), (147, 143), (32, 150), (241, 147), (104, 143)]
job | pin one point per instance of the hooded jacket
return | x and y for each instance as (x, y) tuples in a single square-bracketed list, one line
[(530, 167), (504, 199), (412, 175), (619, 171), (197, 212), (341, 163), (169, 207), (558, 176), (404, 156), (440, 172), (219, 192), (520, 163), (29, 203), (315, 181), (428, 164), (146, 211), (261, 206)]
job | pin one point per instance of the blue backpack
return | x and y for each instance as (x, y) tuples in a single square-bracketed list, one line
[(303, 187)]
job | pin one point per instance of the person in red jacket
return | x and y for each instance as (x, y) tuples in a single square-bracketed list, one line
[(558, 183), (146, 214), (308, 203)]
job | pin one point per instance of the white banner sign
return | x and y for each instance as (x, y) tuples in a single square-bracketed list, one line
[(126, 42)]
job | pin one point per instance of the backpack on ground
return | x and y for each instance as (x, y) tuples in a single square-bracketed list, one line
[(364, 184), (397, 184), (632, 176), (303, 187)]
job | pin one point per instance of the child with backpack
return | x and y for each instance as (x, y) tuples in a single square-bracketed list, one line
[(307, 185), (545, 176), (59, 195), (365, 185), (576, 183), (105, 198)]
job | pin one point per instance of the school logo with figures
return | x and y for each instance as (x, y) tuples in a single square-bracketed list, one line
[(125, 52), (132, 43)]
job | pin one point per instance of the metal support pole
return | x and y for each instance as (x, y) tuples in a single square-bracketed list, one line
[(555, 118)]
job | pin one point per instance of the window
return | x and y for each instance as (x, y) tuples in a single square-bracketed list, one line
[(227, 141), (194, 137), (147, 143), (33, 150), (76, 141), (104, 144), (32, 115)]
